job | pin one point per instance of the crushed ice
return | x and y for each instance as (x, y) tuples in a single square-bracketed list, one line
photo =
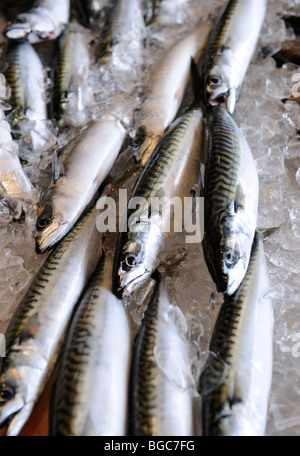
[(272, 130)]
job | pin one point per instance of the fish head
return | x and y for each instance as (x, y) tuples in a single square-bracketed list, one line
[(138, 259), (219, 90), (133, 268), (15, 403), (235, 256), (50, 228)]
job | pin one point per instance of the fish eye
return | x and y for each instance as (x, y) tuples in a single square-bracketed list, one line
[(45, 217), (137, 141), (131, 260), (231, 258), (43, 222), (215, 81), (7, 392)]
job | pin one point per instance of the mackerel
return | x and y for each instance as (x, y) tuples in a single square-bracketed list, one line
[(86, 163), (230, 49), (172, 172), (90, 396), (160, 397), (231, 193), (124, 23), (167, 83), (73, 92), (236, 380), (38, 327)]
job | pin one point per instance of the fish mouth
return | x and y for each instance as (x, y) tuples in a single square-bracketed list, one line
[(50, 236), (223, 97), (127, 288), (14, 414)]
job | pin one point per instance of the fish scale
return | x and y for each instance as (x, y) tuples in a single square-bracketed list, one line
[(219, 382)]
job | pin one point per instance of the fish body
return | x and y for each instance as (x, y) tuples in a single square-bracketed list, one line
[(230, 49), (236, 379), (90, 396), (231, 191), (172, 172), (37, 329), (86, 161), (25, 75), (124, 23), (44, 22), (160, 399), (74, 93), (167, 84)]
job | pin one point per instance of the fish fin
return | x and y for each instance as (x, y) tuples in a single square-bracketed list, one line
[(202, 174), (30, 328), (267, 232), (239, 200), (58, 169)]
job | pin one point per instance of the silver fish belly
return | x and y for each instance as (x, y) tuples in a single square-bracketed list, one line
[(231, 191), (87, 162), (26, 76), (36, 332), (236, 380), (91, 389), (45, 22), (73, 91), (172, 172), (230, 49), (160, 398), (167, 84)]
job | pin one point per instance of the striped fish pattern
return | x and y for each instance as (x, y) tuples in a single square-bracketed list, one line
[(236, 380), (230, 201), (230, 49), (160, 401), (37, 329), (25, 75), (90, 395), (172, 171)]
